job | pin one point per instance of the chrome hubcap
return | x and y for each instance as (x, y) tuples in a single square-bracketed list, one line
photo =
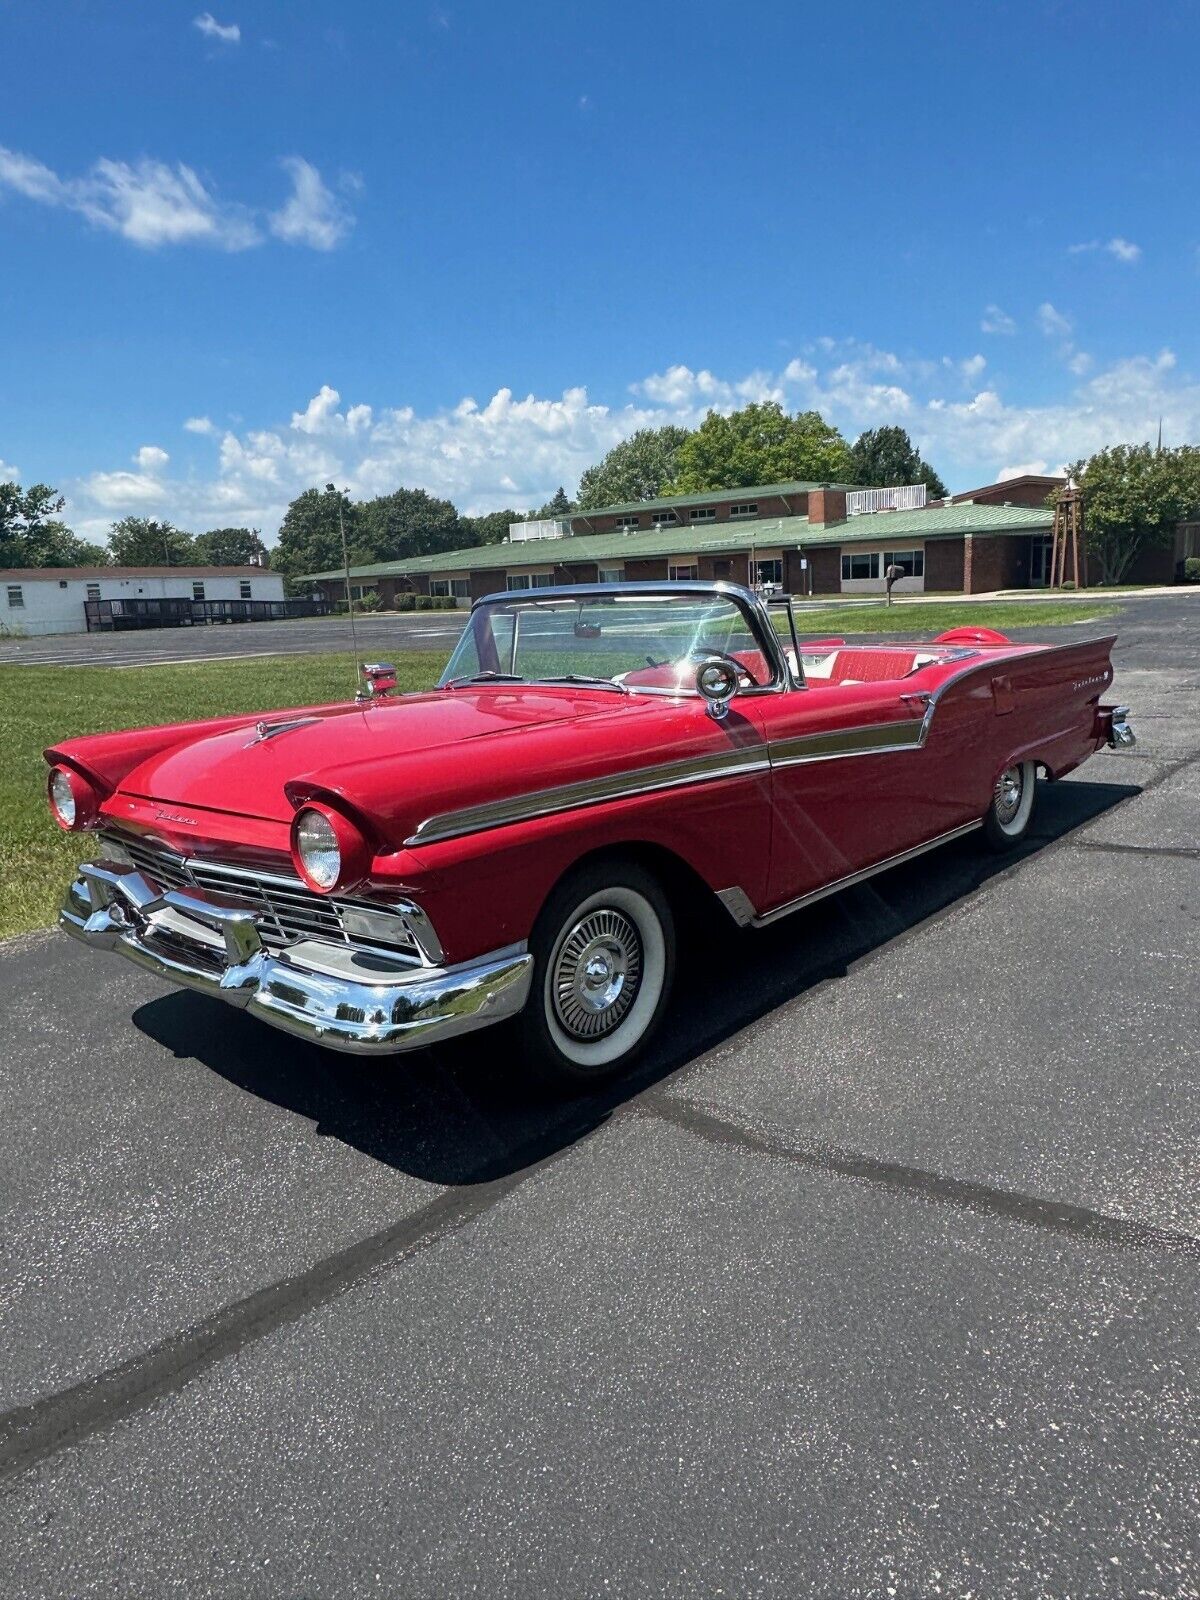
[(1008, 794), (597, 974)]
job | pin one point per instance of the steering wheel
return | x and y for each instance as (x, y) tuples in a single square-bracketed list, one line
[(744, 678)]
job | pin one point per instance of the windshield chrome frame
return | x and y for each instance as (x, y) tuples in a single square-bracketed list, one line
[(750, 604)]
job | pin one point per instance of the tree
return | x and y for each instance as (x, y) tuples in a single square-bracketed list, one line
[(148, 542), (492, 527), (639, 468), (558, 505), (230, 547), (760, 444), (309, 537), (885, 457), (409, 522), (1133, 497), (30, 534)]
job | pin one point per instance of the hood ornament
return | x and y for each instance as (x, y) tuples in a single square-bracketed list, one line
[(268, 730)]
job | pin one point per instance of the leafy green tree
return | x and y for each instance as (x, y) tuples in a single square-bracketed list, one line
[(558, 505), (885, 457), (309, 537), (1134, 495), (409, 522), (148, 542), (639, 468), (229, 547), (30, 533), (492, 527), (760, 444)]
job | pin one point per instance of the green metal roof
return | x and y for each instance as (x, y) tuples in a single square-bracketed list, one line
[(709, 497), (890, 527)]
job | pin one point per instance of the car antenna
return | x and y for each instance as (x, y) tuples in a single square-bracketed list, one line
[(349, 596)]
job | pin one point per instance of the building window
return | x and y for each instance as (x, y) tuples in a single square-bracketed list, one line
[(862, 564), (93, 591), (517, 580), (439, 586), (610, 574), (627, 524), (681, 571), (244, 588), (460, 588), (197, 591), (356, 591), (543, 580), (769, 572), (911, 562), (747, 508), (16, 597), (665, 519), (704, 514)]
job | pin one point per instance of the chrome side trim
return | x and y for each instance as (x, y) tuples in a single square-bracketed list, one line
[(738, 904), (590, 792), (873, 739), (853, 878)]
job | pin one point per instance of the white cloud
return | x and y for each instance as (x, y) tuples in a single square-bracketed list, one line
[(1053, 323), (1024, 469), (972, 366), (313, 215), (9, 473), (995, 320), (514, 451), (1080, 363), (226, 33), (1121, 249), (199, 425), (151, 204)]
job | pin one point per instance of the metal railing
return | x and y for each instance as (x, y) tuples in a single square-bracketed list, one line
[(157, 611), (545, 528), (904, 497)]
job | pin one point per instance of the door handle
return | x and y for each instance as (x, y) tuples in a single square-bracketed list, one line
[(919, 697)]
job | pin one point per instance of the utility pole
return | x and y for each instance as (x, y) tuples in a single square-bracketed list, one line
[(349, 596)]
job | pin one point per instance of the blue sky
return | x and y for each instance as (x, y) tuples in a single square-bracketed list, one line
[(470, 246)]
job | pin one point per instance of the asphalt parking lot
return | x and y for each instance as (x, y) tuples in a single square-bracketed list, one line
[(881, 1278)]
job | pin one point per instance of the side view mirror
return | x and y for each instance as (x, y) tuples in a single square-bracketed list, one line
[(587, 630), (716, 681), (379, 678)]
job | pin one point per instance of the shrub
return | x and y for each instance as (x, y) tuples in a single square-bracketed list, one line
[(370, 601), (1067, 583), (406, 602), (1191, 570)]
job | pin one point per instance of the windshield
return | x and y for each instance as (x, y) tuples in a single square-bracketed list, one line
[(627, 642)]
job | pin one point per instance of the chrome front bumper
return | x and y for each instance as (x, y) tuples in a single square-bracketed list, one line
[(346, 997)]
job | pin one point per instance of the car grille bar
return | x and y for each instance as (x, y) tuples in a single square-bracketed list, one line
[(285, 909)]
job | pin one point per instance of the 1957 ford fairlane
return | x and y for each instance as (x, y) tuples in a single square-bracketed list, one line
[(385, 873)]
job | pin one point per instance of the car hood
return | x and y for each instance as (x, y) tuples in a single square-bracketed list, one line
[(251, 771)]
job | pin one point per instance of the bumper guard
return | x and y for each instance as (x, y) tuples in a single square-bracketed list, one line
[(377, 1007)]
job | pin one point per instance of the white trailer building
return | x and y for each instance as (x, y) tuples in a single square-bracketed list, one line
[(37, 600)]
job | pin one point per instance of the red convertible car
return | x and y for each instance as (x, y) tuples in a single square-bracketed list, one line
[(385, 873)]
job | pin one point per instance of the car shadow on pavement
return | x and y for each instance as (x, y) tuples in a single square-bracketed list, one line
[(462, 1113)]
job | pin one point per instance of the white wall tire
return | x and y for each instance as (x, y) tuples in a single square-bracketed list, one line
[(604, 954), (1007, 819)]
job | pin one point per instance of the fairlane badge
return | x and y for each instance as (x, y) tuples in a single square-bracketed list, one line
[(173, 816), (1086, 683)]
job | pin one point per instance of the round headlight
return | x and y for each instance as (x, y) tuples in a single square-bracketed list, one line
[(319, 854), (62, 798), (73, 801)]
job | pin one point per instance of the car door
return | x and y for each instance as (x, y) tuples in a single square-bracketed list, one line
[(850, 782)]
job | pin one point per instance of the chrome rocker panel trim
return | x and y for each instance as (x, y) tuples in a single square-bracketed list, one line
[(740, 907), (191, 939)]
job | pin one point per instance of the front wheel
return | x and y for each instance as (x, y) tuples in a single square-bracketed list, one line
[(1007, 819), (604, 960)]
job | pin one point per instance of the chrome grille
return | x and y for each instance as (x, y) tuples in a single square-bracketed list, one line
[(285, 909)]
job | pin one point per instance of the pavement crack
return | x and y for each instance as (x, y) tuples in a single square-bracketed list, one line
[(29, 1434), (1051, 1216), (1180, 852)]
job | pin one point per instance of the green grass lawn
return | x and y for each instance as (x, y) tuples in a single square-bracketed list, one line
[(926, 622), (41, 705)]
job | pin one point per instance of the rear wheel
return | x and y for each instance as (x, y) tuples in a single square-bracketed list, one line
[(1008, 817), (604, 960)]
